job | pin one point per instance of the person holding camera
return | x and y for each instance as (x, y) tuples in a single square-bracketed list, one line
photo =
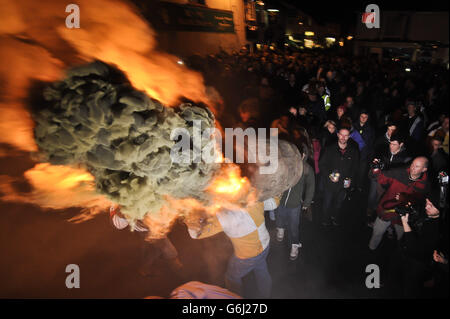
[(395, 155), (409, 183), (415, 254)]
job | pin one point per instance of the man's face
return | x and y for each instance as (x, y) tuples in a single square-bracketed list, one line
[(435, 144), (349, 101), (363, 118), (417, 167), (343, 136), (411, 110), (340, 112), (312, 97), (390, 130), (395, 146)]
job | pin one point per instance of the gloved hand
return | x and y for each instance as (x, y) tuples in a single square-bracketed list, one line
[(117, 219), (270, 204)]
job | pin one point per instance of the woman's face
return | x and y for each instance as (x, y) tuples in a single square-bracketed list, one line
[(340, 112), (331, 128)]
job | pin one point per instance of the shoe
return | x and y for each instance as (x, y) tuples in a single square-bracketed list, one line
[(280, 234), (294, 251)]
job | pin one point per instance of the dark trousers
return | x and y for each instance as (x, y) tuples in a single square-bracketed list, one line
[(332, 203)]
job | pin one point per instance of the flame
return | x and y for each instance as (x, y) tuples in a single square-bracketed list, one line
[(230, 184), (57, 187), (38, 46)]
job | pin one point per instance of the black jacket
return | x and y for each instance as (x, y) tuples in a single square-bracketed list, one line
[(346, 163), (420, 243), (393, 161), (317, 109)]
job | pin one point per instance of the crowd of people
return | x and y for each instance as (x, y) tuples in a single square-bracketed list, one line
[(364, 128)]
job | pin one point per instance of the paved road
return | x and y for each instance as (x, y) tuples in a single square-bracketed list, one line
[(37, 245)]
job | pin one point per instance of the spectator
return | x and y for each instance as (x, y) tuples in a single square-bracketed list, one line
[(339, 115), (294, 200), (438, 159), (411, 183), (382, 142), (395, 156), (338, 165), (248, 113), (442, 133), (352, 110), (415, 253), (328, 133), (414, 123), (315, 106)]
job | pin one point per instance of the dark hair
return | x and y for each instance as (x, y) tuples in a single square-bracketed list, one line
[(397, 136), (364, 111), (391, 123)]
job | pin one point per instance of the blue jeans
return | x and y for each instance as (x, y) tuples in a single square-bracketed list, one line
[(290, 217), (239, 268)]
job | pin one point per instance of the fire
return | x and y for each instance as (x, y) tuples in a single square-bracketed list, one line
[(45, 176), (231, 186), (38, 46), (57, 187)]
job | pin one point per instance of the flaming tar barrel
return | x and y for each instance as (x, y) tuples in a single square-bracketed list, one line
[(279, 172)]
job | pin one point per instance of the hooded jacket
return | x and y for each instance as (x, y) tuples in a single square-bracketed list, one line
[(293, 197)]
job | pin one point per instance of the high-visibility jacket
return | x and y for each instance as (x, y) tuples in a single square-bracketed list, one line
[(326, 101)]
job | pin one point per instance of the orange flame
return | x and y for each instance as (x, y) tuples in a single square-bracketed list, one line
[(37, 45), (57, 187)]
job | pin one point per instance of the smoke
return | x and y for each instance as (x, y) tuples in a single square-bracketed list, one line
[(95, 117), (106, 111), (35, 44)]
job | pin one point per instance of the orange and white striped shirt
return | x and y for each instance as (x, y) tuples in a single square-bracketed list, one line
[(245, 228)]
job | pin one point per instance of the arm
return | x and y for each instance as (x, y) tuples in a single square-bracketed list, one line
[(310, 184), (208, 230), (323, 161)]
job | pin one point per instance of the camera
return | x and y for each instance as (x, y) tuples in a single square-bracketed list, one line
[(416, 211), (379, 164), (443, 178)]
